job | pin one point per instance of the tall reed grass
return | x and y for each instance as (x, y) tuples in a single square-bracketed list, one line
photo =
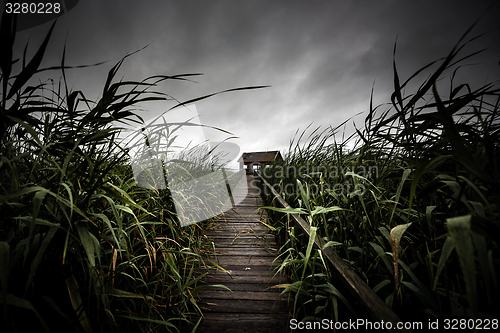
[(413, 207), (82, 247)]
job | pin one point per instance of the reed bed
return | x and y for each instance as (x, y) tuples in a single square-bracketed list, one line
[(82, 247), (412, 206)]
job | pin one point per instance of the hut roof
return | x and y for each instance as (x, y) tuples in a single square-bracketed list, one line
[(261, 156)]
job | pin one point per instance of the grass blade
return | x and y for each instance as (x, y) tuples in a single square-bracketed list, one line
[(460, 230)]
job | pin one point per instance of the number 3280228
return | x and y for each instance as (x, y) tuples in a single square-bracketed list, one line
[(32, 8)]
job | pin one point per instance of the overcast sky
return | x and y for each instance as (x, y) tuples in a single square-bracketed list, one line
[(320, 58)]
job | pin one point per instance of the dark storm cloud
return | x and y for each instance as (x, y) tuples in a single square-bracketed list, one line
[(320, 57)]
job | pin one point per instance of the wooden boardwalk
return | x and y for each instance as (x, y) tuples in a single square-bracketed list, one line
[(246, 249)]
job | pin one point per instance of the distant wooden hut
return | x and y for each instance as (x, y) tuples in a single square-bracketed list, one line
[(256, 160)]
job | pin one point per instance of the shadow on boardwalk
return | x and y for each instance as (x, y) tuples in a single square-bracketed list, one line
[(246, 249)]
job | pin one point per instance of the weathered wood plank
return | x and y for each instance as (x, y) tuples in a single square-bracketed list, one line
[(267, 281), (228, 260), (228, 233), (244, 306), (244, 238), (243, 241), (243, 323), (242, 295), (243, 270), (241, 247), (244, 254), (255, 288), (227, 246)]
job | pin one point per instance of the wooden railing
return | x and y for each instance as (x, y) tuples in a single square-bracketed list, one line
[(373, 305)]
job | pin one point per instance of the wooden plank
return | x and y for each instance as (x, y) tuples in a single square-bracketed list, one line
[(241, 295), (241, 227), (245, 268), (224, 241), (232, 234), (241, 243), (240, 247), (265, 243), (240, 215), (254, 288), (244, 260), (240, 255), (242, 220), (244, 306), (223, 277), (242, 237), (242, 323)]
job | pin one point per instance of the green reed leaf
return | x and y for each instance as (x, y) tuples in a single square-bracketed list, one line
[(312, 237), (382, 254), (89, 242), (25, 304), (482, 256), (397, 233), (4, 270), (32, 66), (76, 301), (406, 173), (460, 230), (40, 254), (448, 247), (323, 210)]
